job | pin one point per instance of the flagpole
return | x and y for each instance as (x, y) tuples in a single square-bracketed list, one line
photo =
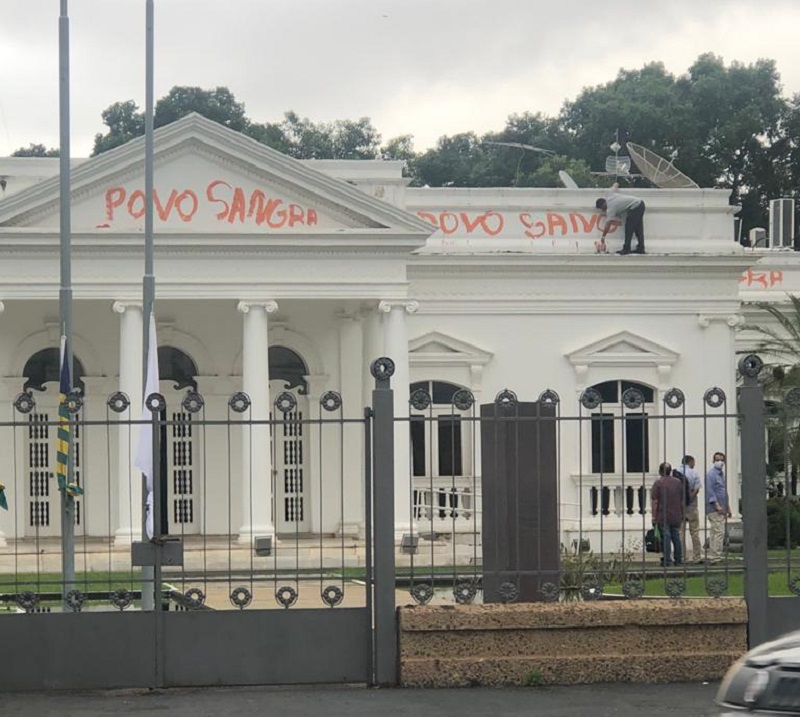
[(65, 291), (149, 280)]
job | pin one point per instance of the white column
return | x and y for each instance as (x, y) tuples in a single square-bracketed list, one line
[(256, 484), (395, 345), (129, 477), (373, 348), (351, 382)]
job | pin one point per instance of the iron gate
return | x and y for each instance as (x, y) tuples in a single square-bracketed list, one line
[(510, 501), (291, 609), (543, 499)]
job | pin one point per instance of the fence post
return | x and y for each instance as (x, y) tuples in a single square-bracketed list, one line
[(383, 523), (754, 499)]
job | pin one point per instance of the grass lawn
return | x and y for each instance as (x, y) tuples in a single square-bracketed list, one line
[(655, 585), (86, 582)]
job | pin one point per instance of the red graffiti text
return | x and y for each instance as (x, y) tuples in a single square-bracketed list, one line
[(233, 205), (761, 279)]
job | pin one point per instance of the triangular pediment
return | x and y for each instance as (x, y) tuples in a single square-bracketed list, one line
[(207, 178), (438, 348), (623, 349)]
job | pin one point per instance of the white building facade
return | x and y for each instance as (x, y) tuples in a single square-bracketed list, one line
[(278, 275)]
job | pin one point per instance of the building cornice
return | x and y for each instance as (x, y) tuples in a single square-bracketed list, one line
[(685, 263), (47, 240)]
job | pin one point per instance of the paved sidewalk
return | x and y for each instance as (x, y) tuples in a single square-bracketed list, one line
[(695, 700)]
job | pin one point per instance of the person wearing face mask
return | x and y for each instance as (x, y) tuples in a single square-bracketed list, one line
[(717, 507)]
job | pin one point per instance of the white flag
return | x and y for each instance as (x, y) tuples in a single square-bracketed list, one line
[(144, 450)]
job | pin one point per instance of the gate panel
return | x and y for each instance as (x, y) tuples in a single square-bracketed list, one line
[(266, 647), (299, 609), (78, 652)]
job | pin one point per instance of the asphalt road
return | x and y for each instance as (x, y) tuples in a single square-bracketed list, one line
[(693, 700)]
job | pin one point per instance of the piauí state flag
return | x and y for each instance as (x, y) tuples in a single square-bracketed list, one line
[(63, 441)]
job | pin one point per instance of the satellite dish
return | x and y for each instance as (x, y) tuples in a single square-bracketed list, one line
[(566, 180), (658, 170)]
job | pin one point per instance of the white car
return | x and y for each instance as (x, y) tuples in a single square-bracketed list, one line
[(765, 681)]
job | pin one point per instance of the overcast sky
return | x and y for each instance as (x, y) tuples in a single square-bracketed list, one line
[(424, 67)]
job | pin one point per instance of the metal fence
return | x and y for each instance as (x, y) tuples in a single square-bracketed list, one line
[(205, 498), (250, 519), (277, 538), (552, 500)]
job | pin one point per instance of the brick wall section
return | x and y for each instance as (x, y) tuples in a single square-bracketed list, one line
[(571, 643)]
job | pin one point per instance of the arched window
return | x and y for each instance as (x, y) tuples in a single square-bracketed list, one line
[(287, 372), (437, 449), (620, 436), (44, 367), (444, 482), (176, 365), (288, 366), (180, 457), (43, 514)]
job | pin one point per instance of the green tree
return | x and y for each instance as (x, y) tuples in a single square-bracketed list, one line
[(643, 106), (779, 336), (355, 139), (778, 342), (738, 111), (455, 162), (341, 139), (271, 135), (547, 173), (218, 105), (399, 148), (786, 152), (124, 121), (727, 124), (519, 155), (35, 150)]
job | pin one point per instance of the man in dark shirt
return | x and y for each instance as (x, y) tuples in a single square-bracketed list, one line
[(668, 498)]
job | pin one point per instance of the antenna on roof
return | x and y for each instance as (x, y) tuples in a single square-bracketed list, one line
[(523, 147), (658, 170), (617, 166), (520, 145)]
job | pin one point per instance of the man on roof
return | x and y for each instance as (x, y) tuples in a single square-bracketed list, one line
[(618, 209)]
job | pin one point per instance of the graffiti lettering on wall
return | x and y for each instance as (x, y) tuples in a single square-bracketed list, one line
[(761, 279), (532, 225), (230, 204)]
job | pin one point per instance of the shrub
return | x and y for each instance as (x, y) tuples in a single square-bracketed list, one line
[(777, 511)]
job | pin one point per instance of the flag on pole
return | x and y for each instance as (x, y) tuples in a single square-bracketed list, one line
[(66, 482), (3, 500), (144, 450)]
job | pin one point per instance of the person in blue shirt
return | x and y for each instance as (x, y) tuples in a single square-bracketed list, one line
[(692, 511), (717, 507)]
